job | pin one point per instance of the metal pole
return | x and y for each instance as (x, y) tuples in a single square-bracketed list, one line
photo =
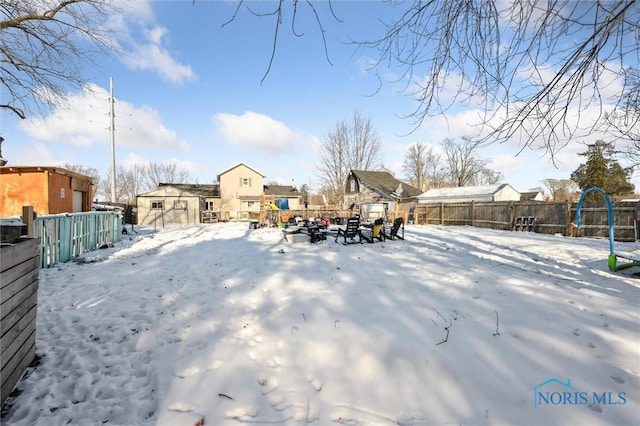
[(113, 142)]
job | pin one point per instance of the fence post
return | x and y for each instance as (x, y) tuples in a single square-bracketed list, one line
[(441, 213), (568, 226), (65, 237), (636, 222), (473, 213), (27, 219)]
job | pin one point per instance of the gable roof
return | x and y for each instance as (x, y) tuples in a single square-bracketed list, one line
[(236, 166), (530, 195), (464, 191), (281, 190), (384, 183), (197, 190)]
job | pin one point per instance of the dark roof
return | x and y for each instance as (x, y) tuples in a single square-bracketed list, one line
[(385, 183), (212, 190), (281, 191)]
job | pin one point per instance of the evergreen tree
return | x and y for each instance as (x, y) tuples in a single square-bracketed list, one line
[(603, 171)]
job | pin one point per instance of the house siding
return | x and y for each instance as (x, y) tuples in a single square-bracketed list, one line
[(60, 194), (24, 189), (507, 194), (232, 193), (365, 195), (169, 214)]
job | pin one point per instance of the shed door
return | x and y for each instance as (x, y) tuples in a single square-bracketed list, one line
[(77, 201)]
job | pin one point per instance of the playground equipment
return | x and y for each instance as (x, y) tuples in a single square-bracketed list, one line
[(613, 256)]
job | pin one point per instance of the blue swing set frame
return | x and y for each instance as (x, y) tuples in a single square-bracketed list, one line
[(613, 257)]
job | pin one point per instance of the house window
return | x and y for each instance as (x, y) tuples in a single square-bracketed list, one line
[(245, 181), (210, 205), (157, 205), (180, 205), (352, 185), (250, 204)]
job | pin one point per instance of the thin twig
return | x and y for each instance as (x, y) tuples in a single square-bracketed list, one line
[(446, 338), (304, 318), (497, 333)]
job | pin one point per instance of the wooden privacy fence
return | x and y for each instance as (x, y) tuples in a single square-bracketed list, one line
[(19, 266), (66, 236), (547, 218)]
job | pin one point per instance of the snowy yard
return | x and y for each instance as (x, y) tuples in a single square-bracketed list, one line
[(455, 325)]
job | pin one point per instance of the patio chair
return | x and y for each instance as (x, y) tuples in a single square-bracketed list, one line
[(394, 232), (350, 232), (374, 233)]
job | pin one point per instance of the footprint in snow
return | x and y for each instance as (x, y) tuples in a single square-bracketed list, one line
[(595, 407), (618, 380), (269, 384)]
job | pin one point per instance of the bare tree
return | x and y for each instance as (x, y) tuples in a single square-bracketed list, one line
[(276, 11), (437, 171), (44, 44), (353, 145), (623, 123), (140, 178), (153, 174), (462, 162), (123, 194), (511, 58), (87, 171), (422, 166), (131, 182), (562, 189), (487, 176)]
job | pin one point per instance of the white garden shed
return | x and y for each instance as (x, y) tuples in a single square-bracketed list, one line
[(499, 192)]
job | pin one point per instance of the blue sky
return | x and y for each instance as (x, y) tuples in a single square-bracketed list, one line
[(189, 91)]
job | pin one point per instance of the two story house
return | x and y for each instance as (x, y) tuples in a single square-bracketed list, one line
[(241, 191), (238, 195)]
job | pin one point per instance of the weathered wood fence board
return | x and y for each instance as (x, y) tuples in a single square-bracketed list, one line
[(19, 267), (550, 218)]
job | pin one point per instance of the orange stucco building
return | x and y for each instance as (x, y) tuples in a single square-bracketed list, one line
[(49, 190)]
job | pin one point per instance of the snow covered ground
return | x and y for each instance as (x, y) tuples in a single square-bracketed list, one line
[(454, 325)]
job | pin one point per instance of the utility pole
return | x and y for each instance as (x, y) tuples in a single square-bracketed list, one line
[(113, 142)]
